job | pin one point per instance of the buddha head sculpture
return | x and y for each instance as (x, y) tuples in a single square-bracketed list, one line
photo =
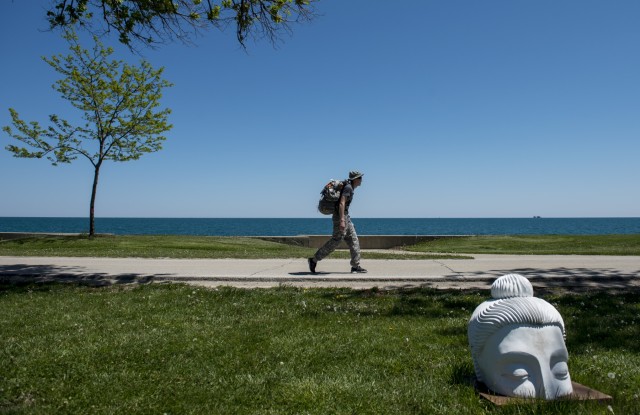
[(517, 343)]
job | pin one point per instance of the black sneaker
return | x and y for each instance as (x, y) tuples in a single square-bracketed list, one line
[(358, 269), (312, 265)]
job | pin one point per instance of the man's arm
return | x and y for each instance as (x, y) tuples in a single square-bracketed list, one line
[(341, 208)]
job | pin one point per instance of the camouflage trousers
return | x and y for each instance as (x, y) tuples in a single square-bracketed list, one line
[(349, 236)]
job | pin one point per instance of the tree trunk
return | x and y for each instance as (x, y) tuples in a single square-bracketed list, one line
[(92, 225)]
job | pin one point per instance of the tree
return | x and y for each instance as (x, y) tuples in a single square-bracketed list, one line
[(120, 105), (153, 22)]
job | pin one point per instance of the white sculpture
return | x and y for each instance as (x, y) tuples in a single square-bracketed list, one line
[(517, 343)]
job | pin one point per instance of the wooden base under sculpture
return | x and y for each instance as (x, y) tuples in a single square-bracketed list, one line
[(580, 393)]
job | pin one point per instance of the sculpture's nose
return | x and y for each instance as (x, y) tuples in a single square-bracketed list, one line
[(541, 381), (547, 389)]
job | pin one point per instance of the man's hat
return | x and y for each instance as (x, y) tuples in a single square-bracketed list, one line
[(355, 174)]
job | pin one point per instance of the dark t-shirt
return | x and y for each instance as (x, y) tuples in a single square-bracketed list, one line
[(347, 192)]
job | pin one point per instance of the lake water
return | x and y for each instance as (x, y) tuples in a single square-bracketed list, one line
[(322, 226)]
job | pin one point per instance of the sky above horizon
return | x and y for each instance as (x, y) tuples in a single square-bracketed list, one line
[(451, 109)]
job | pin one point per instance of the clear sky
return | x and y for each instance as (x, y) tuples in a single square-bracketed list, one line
[(456, 108)]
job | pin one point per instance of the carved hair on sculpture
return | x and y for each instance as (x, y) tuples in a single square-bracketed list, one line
[(517, 342)]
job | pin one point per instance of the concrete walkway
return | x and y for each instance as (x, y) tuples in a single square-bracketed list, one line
[(554, 271)]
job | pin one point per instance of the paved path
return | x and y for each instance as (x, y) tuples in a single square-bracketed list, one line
[(568, 272)]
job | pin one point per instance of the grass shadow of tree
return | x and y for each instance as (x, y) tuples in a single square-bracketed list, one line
[(601, 319), (29, 275)]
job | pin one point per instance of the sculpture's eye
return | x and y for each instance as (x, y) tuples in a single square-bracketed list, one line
[(518, 375), (560, 370)]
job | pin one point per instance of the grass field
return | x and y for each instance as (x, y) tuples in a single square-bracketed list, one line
[(171, 246), (535, 245), (174, 349), (237, 247)]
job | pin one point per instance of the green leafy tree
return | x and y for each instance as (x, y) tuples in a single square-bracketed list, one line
[(156, 21), (119, 103)]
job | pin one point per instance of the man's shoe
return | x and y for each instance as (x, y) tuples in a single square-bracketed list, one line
[(358, 269), (312, 265)]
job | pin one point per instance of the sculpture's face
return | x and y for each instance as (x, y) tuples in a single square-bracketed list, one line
[(526, 361)]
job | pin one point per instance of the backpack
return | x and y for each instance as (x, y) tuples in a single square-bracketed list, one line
[(330, 195)]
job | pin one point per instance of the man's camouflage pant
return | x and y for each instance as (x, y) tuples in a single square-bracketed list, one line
[(349, 236)]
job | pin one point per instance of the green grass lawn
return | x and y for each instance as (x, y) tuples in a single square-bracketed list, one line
[(175, 246), (535, 245), (176, 349)]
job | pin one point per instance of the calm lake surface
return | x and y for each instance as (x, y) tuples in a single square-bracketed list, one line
[(322, 226)]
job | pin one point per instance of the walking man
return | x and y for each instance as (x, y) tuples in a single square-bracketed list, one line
[(342, 227)]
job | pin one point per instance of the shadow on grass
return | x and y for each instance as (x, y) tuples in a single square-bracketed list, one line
[(417, 301), (603, 317), (22, 274), (463, 373), (544, 280), (582, 279), (600, 319)]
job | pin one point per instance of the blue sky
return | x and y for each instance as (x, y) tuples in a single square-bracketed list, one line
[(456, 108)]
